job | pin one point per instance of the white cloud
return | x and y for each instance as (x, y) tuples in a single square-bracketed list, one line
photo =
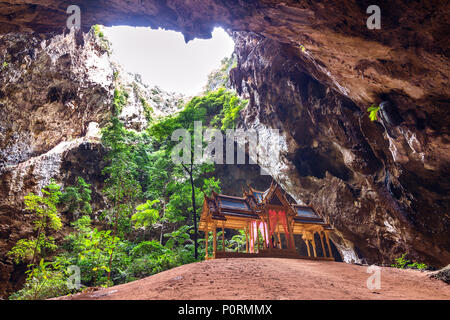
[(164, 59)]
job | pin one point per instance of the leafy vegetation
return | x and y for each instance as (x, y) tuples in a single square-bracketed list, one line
[(98, 32), (148, 110), (146, 215), (45, 281), (46, 216), (97, 29), (373, 112), (78, 198), (403, 263)]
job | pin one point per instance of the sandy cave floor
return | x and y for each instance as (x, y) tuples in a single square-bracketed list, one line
[(273, 278)]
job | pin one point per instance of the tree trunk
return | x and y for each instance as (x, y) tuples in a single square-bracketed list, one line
[(194, 209), (194, 218)]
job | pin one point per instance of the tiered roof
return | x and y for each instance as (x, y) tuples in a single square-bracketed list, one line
[(253, 202)]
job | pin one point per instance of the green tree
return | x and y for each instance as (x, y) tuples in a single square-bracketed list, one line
[(122, 186), (238, 241), (219, 108), (145, 215), (91, 250), (46, 219), (78, 198)]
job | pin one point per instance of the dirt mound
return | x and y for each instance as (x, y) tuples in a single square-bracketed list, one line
[(271, 278)]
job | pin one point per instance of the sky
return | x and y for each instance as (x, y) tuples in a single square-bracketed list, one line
[(164, 59)]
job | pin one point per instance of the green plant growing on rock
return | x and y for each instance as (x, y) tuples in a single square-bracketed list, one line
[(220, 78), (403, 263), (373, 112), (225, 105), (148, 110), (104, 43), (119, 101), (47, 218), (98, 32), (416, 265)]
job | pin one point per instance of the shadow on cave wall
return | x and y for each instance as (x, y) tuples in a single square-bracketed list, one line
[(316, 162)]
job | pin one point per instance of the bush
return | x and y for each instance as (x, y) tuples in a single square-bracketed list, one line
[(150, 264), (373, 112), (90, 249), (148, 248), (45, 281), (403, 263)]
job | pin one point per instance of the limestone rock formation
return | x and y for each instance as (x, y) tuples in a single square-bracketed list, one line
[(144, 101)]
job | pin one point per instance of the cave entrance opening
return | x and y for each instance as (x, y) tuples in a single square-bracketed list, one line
[(164, 59)]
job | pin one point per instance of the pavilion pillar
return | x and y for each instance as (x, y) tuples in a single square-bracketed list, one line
[(307, 247), (265, 234), (223, 236), (279, 241), (257, 236), (246, 239), (206, 244), (323, 246), (314, 245), (214, 240), (328, 244), (206, 240), (291, 234), (250, 238), (268, 230)]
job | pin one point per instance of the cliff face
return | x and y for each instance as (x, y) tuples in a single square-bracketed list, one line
[(309, 68)]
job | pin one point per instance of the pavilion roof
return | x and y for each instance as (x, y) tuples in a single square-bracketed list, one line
[(252, 204)]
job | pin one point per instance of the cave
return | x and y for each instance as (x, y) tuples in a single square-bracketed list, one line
[(309, 69)]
